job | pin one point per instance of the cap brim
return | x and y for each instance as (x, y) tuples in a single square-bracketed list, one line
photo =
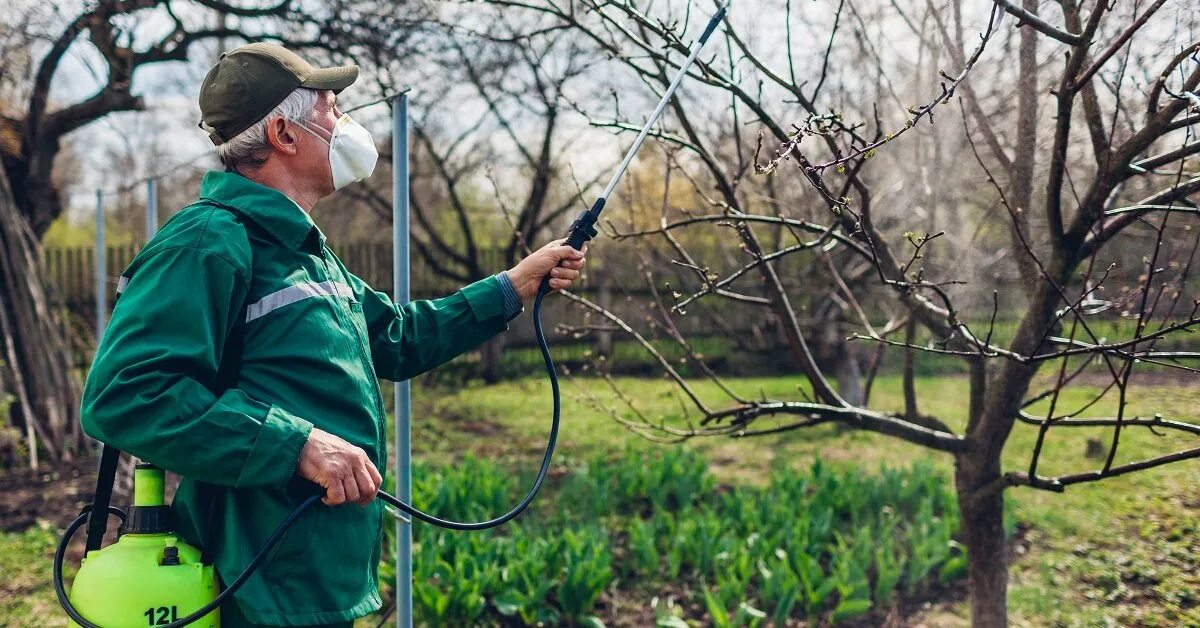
[(335, 79)]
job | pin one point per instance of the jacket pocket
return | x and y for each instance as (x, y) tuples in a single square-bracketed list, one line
[(349, 537), (293, 550), (331, 566)]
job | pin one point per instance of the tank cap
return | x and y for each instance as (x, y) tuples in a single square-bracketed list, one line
[(148, 520)]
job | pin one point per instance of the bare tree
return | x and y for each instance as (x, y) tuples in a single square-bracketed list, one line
[(1067, 207)]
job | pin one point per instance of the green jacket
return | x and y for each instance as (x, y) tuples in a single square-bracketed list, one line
[(237, 330)]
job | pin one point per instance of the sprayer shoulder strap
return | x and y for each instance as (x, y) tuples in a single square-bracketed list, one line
[(209, 494), (106, 475)]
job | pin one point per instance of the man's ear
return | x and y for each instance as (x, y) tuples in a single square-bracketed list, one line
[(282, 136)]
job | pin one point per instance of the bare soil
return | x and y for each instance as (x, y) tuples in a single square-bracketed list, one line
[(54, 494)]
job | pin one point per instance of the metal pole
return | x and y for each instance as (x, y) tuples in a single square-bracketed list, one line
[(151, 208), (101, 271), (400, 288)]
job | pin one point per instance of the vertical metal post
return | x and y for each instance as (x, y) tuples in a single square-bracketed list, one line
[(100, 260), (151, 208), (400, 288)]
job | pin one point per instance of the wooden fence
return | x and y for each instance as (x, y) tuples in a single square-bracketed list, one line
[(71, 270), (71, 278)]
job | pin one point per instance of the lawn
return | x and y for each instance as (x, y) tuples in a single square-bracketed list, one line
[(1122, 550)]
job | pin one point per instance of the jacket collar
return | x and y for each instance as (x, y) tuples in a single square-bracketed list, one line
[(267, 207)]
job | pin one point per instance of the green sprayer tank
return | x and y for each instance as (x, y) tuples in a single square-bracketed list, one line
[(148, 577)]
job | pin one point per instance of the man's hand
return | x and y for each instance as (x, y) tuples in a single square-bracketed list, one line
[(527, 275), (343, 470)]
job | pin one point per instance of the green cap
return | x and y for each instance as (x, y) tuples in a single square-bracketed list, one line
[(248, 82)]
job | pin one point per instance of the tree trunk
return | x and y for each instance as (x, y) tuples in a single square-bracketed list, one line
[(983, 536), (995, 402), (604, 339), (492, 362), (850, 375), (32, 347)]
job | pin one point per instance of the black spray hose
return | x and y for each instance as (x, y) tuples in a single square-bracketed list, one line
[(273, 540), (550, 444)]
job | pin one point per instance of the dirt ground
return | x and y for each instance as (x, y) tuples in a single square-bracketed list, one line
[(53, 494)]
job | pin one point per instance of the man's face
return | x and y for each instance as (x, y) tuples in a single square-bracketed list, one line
[(311, 160)]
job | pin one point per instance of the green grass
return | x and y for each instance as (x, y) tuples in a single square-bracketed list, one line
[(1123, 550), (26, 596)]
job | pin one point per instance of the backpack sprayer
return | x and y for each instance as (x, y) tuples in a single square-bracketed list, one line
[(149, 576)]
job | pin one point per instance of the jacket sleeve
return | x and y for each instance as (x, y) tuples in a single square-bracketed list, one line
[(407, 340), (153, 392)]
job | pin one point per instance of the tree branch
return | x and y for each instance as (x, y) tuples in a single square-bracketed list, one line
[(1030, 18)]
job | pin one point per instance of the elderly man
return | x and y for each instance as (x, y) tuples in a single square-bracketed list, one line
[(244, 356)]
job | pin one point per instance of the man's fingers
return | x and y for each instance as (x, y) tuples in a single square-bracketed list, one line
[(572, 263), (334, 494), (565, 252), (351, 487), (564, 273), (561, 277), (375, 477), (343, 470), (366, 486)]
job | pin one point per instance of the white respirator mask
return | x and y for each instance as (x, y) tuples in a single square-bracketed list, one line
[(352, 153)]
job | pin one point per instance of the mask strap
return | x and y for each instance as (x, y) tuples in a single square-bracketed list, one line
[(311, 132)]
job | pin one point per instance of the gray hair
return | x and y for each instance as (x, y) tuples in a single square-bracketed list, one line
[(249, 149)]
